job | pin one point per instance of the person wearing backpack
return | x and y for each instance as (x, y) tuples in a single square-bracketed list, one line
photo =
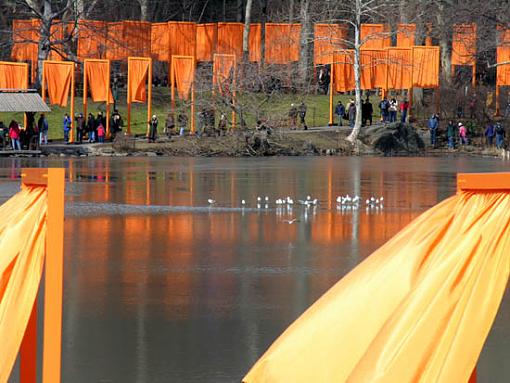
[(500, 136), (384, 105), (489, 134)]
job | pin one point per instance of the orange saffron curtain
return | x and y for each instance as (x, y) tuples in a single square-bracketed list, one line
[(464, 44), (13, 75), (116, 44), (230, 39), (97, 74), (137, 38), (138, 71), (58, 77), (328, 38), (373, 68), (22, 244), (91, 39), (160, 42), (255, 42), (374, 36), (344, 71), (503, 56), (182, 37), (223, 72), (417, 310), (183, 68), (426, 67), (400, 68), (282, 43), (405, 35), (60, 32), (207, 36), (25, 37)]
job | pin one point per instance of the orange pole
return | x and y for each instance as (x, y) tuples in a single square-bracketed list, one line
[(28, 351), (234, 95), (497, 101), (331, 90), (172, 84), (43, 83), (108, 133), (149, 97), (193, 101), (71, 133), (473, 76), (128, 104), (85, 90), (52, 346)]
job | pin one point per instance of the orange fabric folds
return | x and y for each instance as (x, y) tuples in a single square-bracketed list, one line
[(207, 36), (374, 36), (182, 38), (503, 56), (25, 37), (328, 39), (97, 74), (116, 45), (60, 34), (343, 75), (13, 75), (91, 39), (138, 71), (464, 44), (58, 77), (373, 68), (223, 72), (417, 310), (183, 69), (400, 68), (137, 38), (22, 244), (426, 67), (160, 43), (230, 39), (255, 43), (405, 35), (282, 43)]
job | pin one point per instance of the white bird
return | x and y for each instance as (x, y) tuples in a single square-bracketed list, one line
[(308, 198), (339, 199), (278, 201), (266, 206), (372, 199), (381, 199), (243, 202), (367, 201), (211, 201), (377, 201), (356, 198), (315, 201), (259, 199), (290, 201), (266, 199), (291, 221), (258, 206)]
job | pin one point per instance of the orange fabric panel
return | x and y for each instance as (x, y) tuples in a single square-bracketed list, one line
[(230, 39), (137, 38), (417, 310), (405, 35), (464, 44), (116, 45), (59, 34), (160, 42), (58, 78), (207, 37), (503, 55), (182, 37), (400, 68), (25, 36), (91, 39), (426, 67), (373, 68), (13, 75), (343, 75), (184, 71), (328, 38), (255, 43), (224, 67), (96, 75), (282, 43), (138, 71), (22, 248), (375, 36)]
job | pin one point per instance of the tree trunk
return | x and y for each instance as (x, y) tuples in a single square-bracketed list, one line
[(44, 39), (291, 11), (419, 39), (246, 31), (444, 44), (224, 10), (304, 59), (144, 10), (357, 74), (239, 11), (263, 6)]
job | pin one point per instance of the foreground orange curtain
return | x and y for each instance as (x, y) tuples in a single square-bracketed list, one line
[(417, 310), (426, 67), (91, 39), (58, 77), (400, 68), (223, 72), (255, 42), (97, 75), (282, 43), (207, 36), (230, 39), (138, 71), (328, 38), (343, 76), (183, 69), (137, 37), (182, 37), (374, 36), (464, 44), (13, 75), (22, 244), (405, 35), (160, 43)]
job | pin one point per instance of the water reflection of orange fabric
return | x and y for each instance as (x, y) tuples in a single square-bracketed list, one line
[(435, 288), (22, 240), (13, 75)]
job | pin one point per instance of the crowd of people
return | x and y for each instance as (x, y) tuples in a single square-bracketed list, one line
[(388, 110)]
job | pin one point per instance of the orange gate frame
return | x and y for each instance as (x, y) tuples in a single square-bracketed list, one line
[(85, 91), (234, 83), (54, 181), (172, 87), (149, 94), (43, 90)]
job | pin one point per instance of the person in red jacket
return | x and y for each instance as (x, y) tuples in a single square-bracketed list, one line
[(404, 107), (14, 135)]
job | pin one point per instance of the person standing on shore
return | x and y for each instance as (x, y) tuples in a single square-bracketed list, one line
[(352, 113), (67, 127), (182, 120), (80, 126), (433, 125), (42, 125), (153, 129), (489, 134), (115, 122), (500, 136), (451, 134), (91, 130), (462, 134), (369, 111), (14, 135), (393, 110), (302, 115), (404, 107), (100, 133), (169, 124), (340, 112), (293, 112)]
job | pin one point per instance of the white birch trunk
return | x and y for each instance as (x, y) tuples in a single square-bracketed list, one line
[(357, 74)]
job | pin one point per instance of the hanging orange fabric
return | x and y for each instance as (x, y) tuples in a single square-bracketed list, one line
[(426, 67), (282, 43), (182, 37), (97, 74), (230, 39), (13, 75), (255, 42), (138, 71), (207, 36), (116, 44), (160, 42), (373, 68), (137, 37), (374, 36), (400, 65), (22, 244), (343, 75), (405, 35), (183, 69), (417, 310), (328, 38), (25, 36), (59, 31), (223, 72), (503, 56), (464, 44), (58, 77), (91, 39)]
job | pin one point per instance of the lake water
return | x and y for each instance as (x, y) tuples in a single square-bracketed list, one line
[(160, 287)]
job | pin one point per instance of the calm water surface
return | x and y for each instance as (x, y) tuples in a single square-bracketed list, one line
[(159, 287)]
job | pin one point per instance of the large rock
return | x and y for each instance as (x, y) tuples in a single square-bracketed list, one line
[(393, 139)]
